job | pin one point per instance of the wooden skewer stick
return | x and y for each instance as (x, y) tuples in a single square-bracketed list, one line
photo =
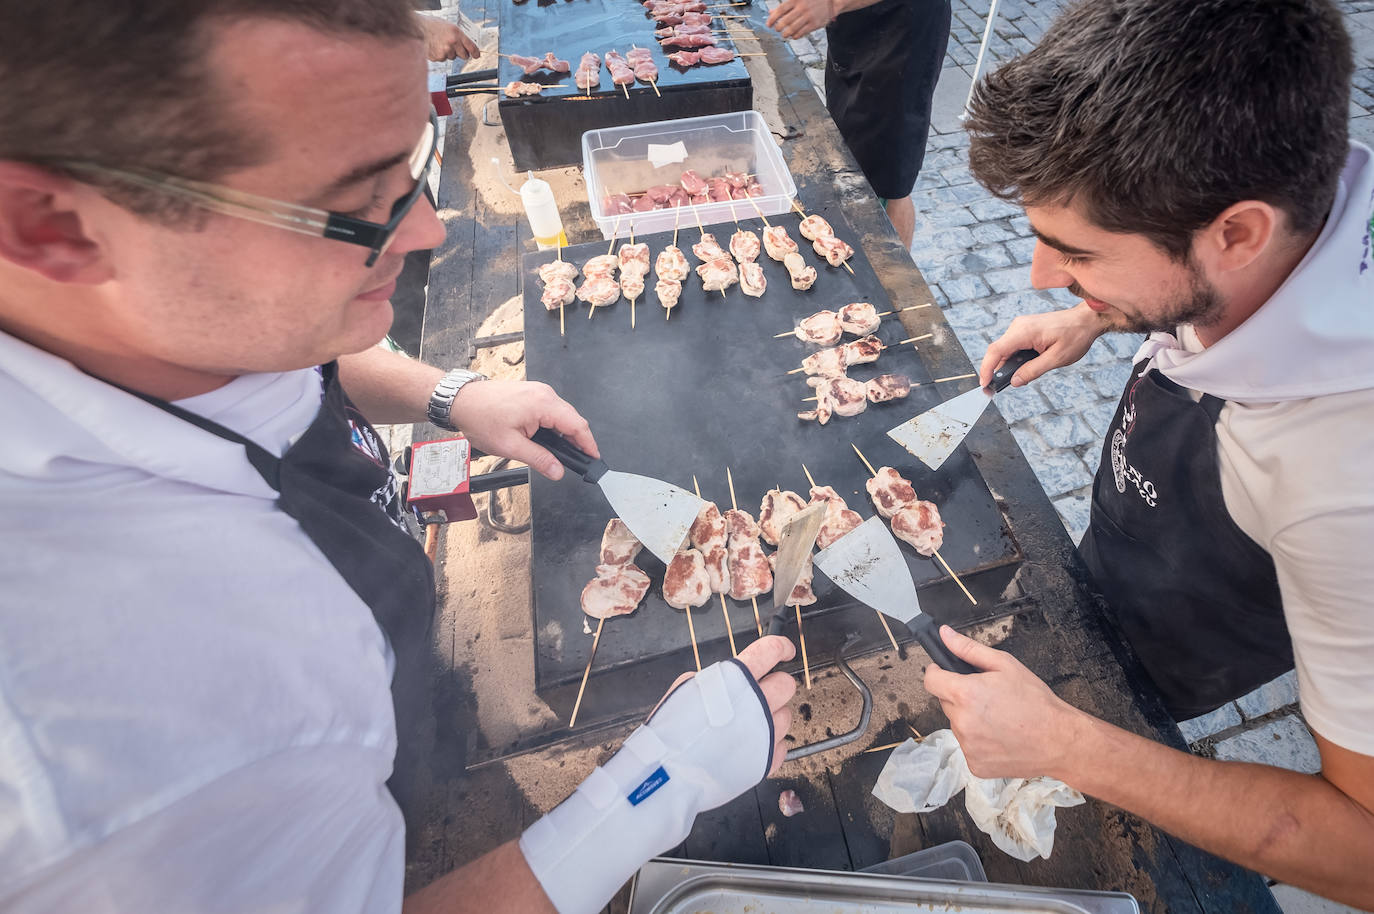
[(609, 251), (953, 377), (801, 638), (915, 339), (881, 617), (730, 481), (729, 630), (795, 370), (938, 556), (632, 301), (558, 246), (654, 84), (950, 571), (907, 308), (760, 212), (677, 212), (881, 748), (572, 721), (781, 336)]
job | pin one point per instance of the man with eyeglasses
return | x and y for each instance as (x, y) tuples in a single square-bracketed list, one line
[(211, 621)]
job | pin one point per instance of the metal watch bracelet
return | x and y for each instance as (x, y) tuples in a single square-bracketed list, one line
[(441, 401)]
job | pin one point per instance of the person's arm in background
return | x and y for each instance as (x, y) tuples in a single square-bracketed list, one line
[(444, 40), (795, 18), (497, 416), (713, 742)]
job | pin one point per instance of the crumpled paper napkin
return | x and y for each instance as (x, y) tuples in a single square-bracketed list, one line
[(1017, 813)]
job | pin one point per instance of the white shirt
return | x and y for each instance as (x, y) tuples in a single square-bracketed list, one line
[(195, 711), (1295, 444)]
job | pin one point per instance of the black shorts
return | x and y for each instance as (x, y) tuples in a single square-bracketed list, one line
[(880, 75)]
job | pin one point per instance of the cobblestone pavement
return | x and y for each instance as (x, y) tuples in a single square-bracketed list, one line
[(975, 250)]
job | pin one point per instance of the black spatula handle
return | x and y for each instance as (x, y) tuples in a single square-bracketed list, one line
[(501, 479), (1001, 378), (588, 467), (928, 633)]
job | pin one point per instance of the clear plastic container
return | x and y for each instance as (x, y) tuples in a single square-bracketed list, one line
[(617, 160)]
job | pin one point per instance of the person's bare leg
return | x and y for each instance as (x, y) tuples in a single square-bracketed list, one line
[(903, 216)]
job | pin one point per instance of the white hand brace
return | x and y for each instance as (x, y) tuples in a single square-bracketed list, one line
[(710, 740)]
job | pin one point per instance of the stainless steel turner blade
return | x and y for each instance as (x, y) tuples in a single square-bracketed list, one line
[(936, 433)]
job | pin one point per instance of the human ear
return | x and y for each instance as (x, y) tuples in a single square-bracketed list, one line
[(41, 226), (1239, 235)]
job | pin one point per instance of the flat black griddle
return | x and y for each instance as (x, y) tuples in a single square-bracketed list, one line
[(706, 389), (546, 130)]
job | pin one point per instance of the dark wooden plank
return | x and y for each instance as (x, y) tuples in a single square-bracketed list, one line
[(812, 838), (865, 822), (733, 832)]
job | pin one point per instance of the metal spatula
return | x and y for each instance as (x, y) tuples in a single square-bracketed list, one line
[(657, 513), (934, 434), (794, 548), (867, 564)]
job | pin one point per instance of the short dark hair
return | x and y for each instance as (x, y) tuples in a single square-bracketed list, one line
[(126, 84), (1156, 115)]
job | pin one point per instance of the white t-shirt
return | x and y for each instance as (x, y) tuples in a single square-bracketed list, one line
[(195, 711), (1295, 445)]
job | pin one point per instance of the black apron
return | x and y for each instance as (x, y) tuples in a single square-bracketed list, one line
[(336, 481), (1197, 599), (881, 67)]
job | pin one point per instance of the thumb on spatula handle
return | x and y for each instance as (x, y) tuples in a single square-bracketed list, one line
[(569, 454), (928, 634)]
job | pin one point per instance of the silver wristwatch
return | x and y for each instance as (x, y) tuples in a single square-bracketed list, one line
[(441, 401)]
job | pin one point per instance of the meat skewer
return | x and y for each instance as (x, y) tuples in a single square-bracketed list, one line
[(775, 511), (559, 269), (751, 279), (517, 89), (822, 328), (841, 396), (803, 276), (887, 387), (889, 489), (744, 245), (708, 536), (557, 293), (777, 243), (813, 228), (588, 72), (634, 266), (845, 396), (617, 590), (835, 251), (603, 265), (839, 520), (532, 65), (718, 274), (750, 573), (859, 318)]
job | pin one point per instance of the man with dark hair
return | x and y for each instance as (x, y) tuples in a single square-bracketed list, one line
[(212, 618), (1186, 169)]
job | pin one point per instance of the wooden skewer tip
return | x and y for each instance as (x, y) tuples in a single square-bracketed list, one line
[(863, 458)]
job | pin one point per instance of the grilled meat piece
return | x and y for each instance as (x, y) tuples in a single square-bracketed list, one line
[(775, 511)]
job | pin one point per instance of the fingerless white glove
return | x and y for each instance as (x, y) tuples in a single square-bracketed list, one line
[(710, 740)]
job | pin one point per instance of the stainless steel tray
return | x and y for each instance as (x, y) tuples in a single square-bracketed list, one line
[(665, 886)]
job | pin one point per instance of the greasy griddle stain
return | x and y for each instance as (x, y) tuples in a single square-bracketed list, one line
[(858, 571)]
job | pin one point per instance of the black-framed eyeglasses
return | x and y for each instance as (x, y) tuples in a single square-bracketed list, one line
[(307, 220)]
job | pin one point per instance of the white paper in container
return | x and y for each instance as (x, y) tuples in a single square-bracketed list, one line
[(616, 160)]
